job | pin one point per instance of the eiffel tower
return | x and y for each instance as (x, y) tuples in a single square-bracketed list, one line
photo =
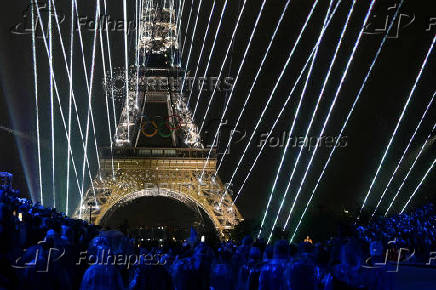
[(157, 149)]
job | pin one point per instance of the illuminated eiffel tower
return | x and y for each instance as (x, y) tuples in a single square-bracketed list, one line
[(157, 148)]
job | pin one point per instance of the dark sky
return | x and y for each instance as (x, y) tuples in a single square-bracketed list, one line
[(368, 133)]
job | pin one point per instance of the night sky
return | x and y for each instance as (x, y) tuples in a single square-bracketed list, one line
[(353, 166)]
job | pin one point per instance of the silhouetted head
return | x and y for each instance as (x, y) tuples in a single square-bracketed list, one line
[(255, 254), (281, 250), (247, 241)]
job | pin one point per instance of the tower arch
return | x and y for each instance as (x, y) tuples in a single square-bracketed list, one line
[(175, 177)]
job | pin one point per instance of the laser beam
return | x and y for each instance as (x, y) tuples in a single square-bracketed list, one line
[(35, 84), (107, 102), (403, 155), (332, 105), (219, 76), (350, 112), (50, 60), (309, 16), (179, 20), (57, 93), (232, 38), (193, 34), (111, 70), (428, 140), (265, 55), (409, 98), (126, 65), (201, 53), (69, 74), (187, 26), (308, 76), (419, 186), (295, 118), (274, 90), (209, 58), (192, 40), (316, 108), (70, 99), (89, 114)]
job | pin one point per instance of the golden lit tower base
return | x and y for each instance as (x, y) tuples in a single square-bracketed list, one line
[(165, 172)]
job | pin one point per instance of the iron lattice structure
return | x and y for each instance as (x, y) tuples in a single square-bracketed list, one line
[(131, 169)]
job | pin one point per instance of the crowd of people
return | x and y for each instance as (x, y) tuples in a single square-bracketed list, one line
[(43, 249), (414, 232)]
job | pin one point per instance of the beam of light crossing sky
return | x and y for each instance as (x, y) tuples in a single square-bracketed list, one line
[(326, 120), (259, 15), (346, 121), (209, 58), (275, 88), (193, 33), (107, 102), (170, 31), (406, 105), (313, 114), (35, 77), (192, 38), (147, 30), (294, 122), (253, 84), (137, 52), (179, 13), (428, 140), (332, 105), (201, 53), (69, 150), (403, 155), (179, 21), (232, 38), (255, 78), (308, 76), (70, 99), (50, 60), (140, 17), (58, 98), (126, 68), (69, 74), (314, 53), (88, 85), (187, 27), (111, 70), (97, 13), (419, 186)]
